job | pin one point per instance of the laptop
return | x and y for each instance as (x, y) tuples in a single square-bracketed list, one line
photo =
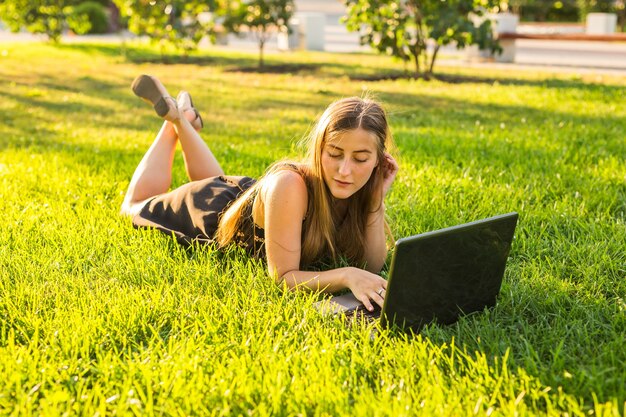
[(439, 276)]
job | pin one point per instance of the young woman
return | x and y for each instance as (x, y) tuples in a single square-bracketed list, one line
[(328, 207)]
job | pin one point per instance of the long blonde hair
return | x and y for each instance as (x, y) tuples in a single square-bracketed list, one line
[(325, 232)]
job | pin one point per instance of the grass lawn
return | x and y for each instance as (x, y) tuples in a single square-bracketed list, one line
[(99, 318)]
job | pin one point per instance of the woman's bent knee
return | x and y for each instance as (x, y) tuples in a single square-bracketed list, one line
[(131, 208)]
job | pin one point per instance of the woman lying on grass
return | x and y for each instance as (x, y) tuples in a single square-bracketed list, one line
[(298, 214)]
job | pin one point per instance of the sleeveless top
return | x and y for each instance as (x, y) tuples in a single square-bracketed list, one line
[(191, 213)]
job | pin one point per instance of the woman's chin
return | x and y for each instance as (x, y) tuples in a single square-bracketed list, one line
[(341, 194)]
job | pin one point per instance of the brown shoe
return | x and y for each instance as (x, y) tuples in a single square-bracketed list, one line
[(152, 91), (185, 103)]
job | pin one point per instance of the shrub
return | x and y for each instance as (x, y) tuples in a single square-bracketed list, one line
[(96, 15)]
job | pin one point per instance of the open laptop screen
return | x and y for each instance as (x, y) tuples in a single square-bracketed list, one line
[(439, 275)]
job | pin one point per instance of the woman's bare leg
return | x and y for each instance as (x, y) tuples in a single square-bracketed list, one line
[(200, 162), (153, 175)]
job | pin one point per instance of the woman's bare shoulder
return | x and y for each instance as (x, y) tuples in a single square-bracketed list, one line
[(284, 181), (281, 191)]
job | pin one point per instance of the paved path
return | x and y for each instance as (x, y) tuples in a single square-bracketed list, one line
[(607, 55), (553, 56)]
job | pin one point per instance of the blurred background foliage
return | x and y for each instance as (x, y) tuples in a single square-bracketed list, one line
[(109, 16)]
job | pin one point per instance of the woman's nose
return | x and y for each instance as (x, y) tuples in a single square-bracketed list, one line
[(344, 167)]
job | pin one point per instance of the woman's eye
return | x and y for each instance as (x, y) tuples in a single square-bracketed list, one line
[(334, 155), (360, 160)]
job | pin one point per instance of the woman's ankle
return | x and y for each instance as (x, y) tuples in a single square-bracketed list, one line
[(188, 116)]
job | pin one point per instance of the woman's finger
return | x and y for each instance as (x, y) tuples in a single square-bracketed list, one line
[(368, 305), (391, 161), (393, 164), (379, 298)]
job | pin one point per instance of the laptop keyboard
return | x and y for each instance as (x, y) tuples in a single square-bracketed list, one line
[(361, 311)]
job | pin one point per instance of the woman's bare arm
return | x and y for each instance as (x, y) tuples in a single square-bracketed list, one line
[(375, 238), (285, 198)]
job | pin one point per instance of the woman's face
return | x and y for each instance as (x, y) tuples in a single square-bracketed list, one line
[(348, 161)]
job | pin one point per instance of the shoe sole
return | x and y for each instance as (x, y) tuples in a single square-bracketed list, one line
[(147, 88), (199, 119)]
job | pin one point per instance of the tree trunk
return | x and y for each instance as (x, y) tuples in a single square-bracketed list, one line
[(432, 60), (261, 45), (261, 36), (417, 51), (420, 43), (114, 18), (621, 19)]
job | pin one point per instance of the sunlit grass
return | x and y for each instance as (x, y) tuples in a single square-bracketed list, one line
[(97, 317)]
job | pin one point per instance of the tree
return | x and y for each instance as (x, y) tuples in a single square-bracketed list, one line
[(51, 18), (176, 22), (262, 17), (619, 8), (401, 28), (592, 6)]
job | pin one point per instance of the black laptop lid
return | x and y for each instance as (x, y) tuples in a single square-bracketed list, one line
[(437, 276)]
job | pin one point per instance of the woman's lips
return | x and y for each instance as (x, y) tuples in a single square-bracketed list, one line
[(342, 183)]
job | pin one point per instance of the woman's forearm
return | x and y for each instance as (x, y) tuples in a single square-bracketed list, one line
[(327, 281), (365, 286)]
